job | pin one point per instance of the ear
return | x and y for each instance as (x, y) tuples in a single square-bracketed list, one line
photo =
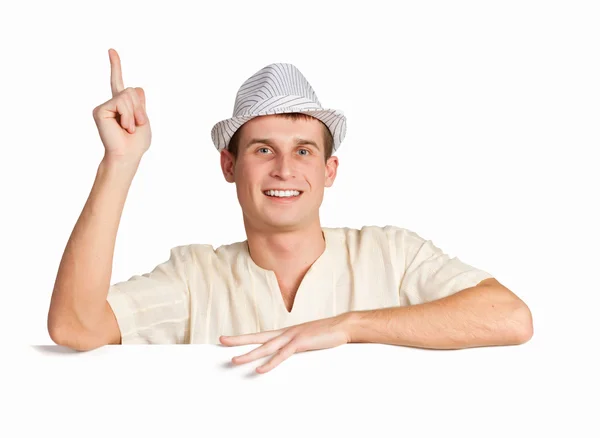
[(228, 165), (331, 170)]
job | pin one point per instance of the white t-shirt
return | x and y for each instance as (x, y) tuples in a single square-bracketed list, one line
[(201, 293)]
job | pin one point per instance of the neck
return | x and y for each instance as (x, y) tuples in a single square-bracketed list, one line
[(287, 253)]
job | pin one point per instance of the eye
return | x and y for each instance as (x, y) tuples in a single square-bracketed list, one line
[(266, 149), (306, 151)]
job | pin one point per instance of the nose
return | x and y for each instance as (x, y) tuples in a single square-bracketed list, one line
[(283, 167)]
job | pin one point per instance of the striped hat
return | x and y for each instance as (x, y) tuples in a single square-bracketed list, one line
[(277, 88)]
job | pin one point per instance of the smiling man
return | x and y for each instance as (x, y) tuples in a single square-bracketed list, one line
[(292, 285)]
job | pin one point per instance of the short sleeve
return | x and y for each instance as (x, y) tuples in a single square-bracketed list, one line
[(154, 308), (428, 273)]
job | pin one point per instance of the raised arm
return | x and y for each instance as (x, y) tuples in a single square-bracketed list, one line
[(79, 315)]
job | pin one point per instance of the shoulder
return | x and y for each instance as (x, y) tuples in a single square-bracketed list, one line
[(388, 236), (202, 253)]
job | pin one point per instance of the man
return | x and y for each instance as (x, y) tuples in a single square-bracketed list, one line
[(293, 285)]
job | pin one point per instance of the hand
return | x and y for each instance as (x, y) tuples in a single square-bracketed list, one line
[(312, 335), (122, 121)]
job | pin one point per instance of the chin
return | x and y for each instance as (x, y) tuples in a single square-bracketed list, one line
[(279, 221), (282, 223)]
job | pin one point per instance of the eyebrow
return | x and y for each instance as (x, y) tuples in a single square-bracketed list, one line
[(271, 143)]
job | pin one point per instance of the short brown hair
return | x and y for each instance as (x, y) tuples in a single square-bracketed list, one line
[(234, 142)]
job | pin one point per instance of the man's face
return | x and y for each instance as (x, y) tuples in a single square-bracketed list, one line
[(275, 153)]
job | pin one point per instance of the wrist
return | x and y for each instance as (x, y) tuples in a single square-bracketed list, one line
[(121, 165), (121, 161), (350, 323)]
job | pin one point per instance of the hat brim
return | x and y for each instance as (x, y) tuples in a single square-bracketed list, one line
[(335, 120)]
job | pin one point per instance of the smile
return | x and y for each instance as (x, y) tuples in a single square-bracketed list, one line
[(283, 193)]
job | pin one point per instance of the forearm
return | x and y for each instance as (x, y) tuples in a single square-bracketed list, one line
[(83, 278), (475, 317)]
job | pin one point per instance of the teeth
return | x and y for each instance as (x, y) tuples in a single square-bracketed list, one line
[(282, 193)]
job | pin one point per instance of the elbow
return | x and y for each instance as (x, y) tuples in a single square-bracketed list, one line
[(75, 342), (60, 337), (57, 326), (55, 335), (55, 330), (522, 324), (73, 339)]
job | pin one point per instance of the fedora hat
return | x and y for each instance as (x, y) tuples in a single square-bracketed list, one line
[(275, 89)]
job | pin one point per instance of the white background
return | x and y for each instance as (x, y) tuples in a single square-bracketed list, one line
[(474, 124)]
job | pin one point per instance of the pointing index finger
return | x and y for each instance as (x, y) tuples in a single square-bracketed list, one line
[(116, 76)]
